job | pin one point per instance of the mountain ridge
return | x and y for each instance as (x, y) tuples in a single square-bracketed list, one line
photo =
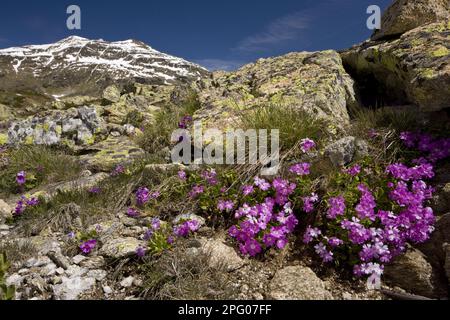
[(79, 63)]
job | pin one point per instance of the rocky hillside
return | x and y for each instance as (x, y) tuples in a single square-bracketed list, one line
[(92, 208)]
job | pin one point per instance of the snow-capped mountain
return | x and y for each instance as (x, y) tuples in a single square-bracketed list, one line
[(77, 61)]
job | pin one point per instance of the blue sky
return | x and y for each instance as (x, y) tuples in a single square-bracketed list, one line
[(216, 34)]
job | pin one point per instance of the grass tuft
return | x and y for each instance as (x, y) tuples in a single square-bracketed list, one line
[(294, 124), (183, 275), (157, 134), (46, 164)]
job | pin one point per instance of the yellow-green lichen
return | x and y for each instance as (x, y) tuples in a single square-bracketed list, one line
[(441, 52), (3, 139), (417, 42), (427, 73), (29, 140), (90, 141)]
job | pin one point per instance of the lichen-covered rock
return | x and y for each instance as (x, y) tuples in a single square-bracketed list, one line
[(414, 69), (140, 104), (111, 93), (315, 82), (405, 15), (411, 272), (107, 154), (221, 255), (343, 151), (78, 125), (120, 247), (297, 283)]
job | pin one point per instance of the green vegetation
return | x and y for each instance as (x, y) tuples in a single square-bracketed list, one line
[(294, 124), (42, 164), (6, 292), (365, 119), (134, 118), (157, 134)]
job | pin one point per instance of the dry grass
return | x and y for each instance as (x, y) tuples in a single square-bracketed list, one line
[(181, 275), (18, 250)]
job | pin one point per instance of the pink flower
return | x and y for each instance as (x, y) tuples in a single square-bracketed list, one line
[(133, 213), (87, 246), (21, 178), (353, 171), (307, 144), (182, 175), (301, 169), (246, 190)]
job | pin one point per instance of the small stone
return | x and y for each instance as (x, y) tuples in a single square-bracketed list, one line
[(411, 272), (93, 262), (107, 290), (37, 284), (342, 151), (4, 227), (56, 280), (297, 283), (127, 282), (76, 271), (23, 271), (60, 271), (129, 222), (37, 262), (14, 280), (45, 245), (72, 288), (221, 255), (138, 282), (86, 173), (112, 93), (98, 275), (78, 259), (258, 296), (59, 259), (115, 134), (49, 270), (347, 296), (120, 247)]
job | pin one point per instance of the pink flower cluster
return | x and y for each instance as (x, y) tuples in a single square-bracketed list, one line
[(267, 224), (434, 149), (23, 204), (184, 229), (377, 231), (87, 246), (307, 144)]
